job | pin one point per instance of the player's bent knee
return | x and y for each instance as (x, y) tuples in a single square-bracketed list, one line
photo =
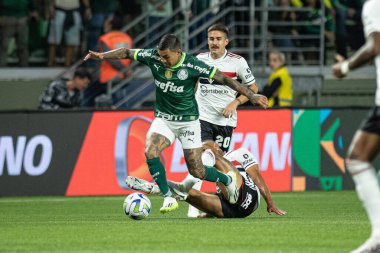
[(208, 157), (355, 166), (197, 173)]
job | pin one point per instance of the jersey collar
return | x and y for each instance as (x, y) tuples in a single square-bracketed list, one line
[(220, 58), (180, 61)]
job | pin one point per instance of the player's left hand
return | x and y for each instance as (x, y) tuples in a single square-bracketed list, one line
[(260, 100), (276, 210), (230, 109), (93, 55), (336, 68)]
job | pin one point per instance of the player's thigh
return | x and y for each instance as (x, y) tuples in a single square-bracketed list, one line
[(207, 131), (208, 203), (189, 134), (159, 137), (222, 136), (366, 141), (364, 146)]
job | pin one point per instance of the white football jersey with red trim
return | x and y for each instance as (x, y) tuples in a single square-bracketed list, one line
[(213, 97), (241, 158)]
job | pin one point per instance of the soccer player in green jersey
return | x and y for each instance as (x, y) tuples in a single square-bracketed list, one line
[(176, 111)]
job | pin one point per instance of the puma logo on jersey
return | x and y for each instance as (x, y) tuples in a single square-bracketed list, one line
[(168, 86), (156, 66)]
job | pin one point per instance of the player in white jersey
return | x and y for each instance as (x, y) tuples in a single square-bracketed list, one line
[(250, 182), (217, 104), (366, 142)]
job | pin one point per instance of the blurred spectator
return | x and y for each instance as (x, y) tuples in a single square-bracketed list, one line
[(113, 39), (349, 27), (63, 93), (314, 20), (38, 30), (112, 69), (284, 27), (279, 89), (198, 7), (101, 10), (129, 10), (300, 3), (158, 10), (241, 18), (65, 19), (14, 23)]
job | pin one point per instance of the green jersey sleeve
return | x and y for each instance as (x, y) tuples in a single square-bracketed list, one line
[(144, 56), (202, 69)]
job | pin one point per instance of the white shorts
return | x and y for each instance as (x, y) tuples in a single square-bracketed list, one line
[(72, 35), (187, 132)]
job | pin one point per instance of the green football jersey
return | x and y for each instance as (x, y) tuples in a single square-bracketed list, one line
[(175, 86)]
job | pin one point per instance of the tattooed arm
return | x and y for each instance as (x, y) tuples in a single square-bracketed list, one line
[(120, 53), (254, 98)]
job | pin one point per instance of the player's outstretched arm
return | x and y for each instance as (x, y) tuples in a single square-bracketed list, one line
[(120, 53), (254, 98), (254, 172)]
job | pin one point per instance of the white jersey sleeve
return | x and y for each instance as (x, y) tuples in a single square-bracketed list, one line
[(244, 73), (371, 22), (242, 158), (371, 17), (212, 97)]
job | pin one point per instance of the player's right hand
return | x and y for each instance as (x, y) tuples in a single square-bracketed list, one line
[(93, 55), (336, 68), (276, 210), (260, 100)]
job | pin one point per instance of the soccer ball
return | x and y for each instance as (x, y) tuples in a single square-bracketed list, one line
[(137, 206)]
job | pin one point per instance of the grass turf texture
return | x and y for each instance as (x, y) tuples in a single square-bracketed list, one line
[(316, 222)]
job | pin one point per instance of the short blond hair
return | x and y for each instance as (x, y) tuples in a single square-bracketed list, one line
[(280, 54)]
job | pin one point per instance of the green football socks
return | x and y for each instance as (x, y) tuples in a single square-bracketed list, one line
[(213, 175), (157, 170)]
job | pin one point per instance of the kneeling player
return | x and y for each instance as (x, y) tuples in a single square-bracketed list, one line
[(249, 182)]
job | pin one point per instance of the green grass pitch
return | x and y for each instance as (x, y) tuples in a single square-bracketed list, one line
[(316, 222)]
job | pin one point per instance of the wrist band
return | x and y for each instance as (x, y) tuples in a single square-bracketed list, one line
[(240, 102), (344, 68)]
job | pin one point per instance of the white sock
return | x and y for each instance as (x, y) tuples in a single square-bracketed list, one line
[(368, 189), (195, 183), (189, 182)]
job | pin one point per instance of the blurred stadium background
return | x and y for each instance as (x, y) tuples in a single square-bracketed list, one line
[(255, 28)]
